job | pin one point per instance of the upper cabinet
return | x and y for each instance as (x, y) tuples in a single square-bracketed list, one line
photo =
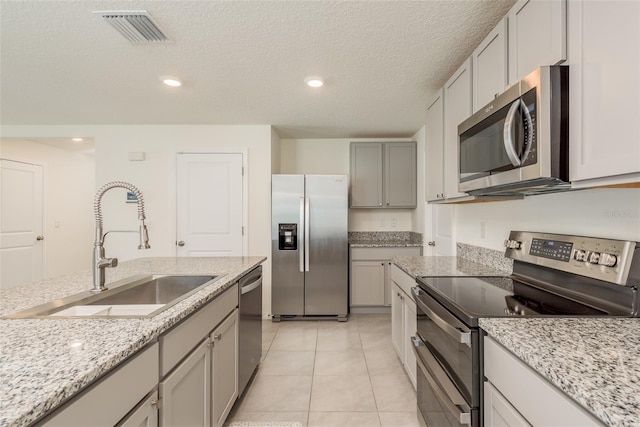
[(457, 108), (489, 63), (537, 36), (383, 174), (434, 186), (604, 65)]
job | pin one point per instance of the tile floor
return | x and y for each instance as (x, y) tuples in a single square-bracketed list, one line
[(330, 374)]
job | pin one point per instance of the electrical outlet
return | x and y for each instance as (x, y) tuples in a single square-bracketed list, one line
[(56, 224)]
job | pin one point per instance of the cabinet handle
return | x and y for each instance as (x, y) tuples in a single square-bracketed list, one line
[(217, 337), (155, 403), (431, 243), (40, 238)]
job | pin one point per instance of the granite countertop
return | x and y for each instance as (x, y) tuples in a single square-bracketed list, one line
[(385, 239), (43, 362), (596, 362), (436, 266)]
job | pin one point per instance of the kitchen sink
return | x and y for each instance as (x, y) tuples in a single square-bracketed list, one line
[(137, 296)]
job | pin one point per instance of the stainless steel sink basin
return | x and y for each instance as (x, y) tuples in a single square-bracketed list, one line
[(138, 296)]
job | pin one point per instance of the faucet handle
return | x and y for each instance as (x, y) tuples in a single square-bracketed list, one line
[(108, 262)]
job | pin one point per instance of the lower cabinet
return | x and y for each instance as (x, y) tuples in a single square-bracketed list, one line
[(516, 395), (185, 392), (403, 320), (224, 369), (201, 390), (144, 415), (370, 282)]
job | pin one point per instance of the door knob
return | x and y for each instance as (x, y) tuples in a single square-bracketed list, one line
[(181, 243), (40, 238), (431, 243)]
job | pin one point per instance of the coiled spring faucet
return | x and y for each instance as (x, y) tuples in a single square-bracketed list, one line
[(100, 262)]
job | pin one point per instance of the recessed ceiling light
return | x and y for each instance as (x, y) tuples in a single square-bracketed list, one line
[(77, 139), (314, 81), (172, 81)]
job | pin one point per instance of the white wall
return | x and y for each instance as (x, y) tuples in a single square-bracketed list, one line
[(331, 156), (418, 214), (68, 201), (155, 177), (613, 213)]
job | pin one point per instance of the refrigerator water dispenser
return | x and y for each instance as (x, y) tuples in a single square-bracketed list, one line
[(288, 237)]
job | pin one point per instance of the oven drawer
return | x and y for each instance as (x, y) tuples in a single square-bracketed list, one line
[(439, 400)]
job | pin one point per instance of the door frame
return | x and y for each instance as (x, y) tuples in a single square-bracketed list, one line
[(45, 193), (245, 191)]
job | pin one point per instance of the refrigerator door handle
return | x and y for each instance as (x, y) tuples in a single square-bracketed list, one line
[(306, 234), (302, 221)]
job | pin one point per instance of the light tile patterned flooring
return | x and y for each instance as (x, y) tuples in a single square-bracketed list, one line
[(330, 374)]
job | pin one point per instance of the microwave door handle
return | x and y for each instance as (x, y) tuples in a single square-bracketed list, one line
[(529, 125), (507, 139)]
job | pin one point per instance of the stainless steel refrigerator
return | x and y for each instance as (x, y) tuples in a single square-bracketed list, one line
[(309, 246)]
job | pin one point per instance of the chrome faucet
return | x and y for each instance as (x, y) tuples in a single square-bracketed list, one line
[(100, 262)]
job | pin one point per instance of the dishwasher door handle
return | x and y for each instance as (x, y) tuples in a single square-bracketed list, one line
[(251, 286)]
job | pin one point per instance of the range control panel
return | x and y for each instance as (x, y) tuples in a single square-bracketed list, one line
[(603, 259)]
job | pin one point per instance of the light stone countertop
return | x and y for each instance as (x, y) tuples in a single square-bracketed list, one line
[(385, 239), (43, 362), (596, 362), (444, 266)]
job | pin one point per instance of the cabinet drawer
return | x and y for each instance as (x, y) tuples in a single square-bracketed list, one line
[(175, 344), (107, 401), (383, 253), (551, 407), (403, 280)]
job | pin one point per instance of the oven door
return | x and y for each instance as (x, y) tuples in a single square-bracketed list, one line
[(447, 355)]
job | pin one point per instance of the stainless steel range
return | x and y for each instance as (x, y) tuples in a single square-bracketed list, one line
[(553, 275)]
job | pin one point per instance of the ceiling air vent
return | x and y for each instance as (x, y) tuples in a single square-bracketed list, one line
[(136, 25)]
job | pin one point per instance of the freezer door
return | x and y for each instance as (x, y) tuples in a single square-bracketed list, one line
[(326, 280), (287, 277)]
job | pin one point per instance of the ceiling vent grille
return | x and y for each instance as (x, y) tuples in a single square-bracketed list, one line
[(136, 26)]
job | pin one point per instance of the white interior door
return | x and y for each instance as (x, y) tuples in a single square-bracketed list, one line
[(209, 198), (21, 216), (443, 220)]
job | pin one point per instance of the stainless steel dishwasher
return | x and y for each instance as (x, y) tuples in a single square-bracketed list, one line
[(250, 330)]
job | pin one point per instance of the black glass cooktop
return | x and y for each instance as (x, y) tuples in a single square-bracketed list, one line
[(473, 297)]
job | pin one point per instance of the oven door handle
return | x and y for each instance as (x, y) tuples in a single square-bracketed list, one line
[(432, 370), (463, 337)]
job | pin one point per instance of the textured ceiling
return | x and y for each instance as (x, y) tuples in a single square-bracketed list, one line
[(242, 62)]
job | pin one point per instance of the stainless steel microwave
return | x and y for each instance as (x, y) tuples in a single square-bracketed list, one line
[(519, 142)]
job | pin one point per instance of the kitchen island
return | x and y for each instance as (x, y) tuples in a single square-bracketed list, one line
[(44, 362)]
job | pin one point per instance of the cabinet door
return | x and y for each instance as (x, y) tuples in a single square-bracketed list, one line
[(604, 58), (145, 415), (433, 148), (537, 35), (498, 412), (185, 392), (367, 283), (489, 63), (224, 369), (397, 321), (366, 175), (457, 108), (410, 329), (400, 174)]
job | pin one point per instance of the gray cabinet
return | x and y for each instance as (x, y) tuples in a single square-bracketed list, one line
[(110, 399), (224, 369), (383, 174), (371, 274), (185, 392), (489, 63), (144, 415), (457, 108), (537, 36)]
